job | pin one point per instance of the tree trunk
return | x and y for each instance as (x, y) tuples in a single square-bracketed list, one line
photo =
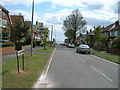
[(74, 38)]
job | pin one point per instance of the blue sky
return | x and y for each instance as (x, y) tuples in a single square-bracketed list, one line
[(53, 12)]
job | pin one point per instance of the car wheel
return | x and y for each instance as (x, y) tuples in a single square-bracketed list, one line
[(88, 52)]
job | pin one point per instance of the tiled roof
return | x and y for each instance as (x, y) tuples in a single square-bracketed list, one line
[(14, 18), (108, 27), (116, 28)]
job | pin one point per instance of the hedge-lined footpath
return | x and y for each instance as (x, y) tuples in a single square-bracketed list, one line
[(108, 56), (33, 67)]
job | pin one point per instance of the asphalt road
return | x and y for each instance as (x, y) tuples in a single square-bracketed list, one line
[(74, 70)]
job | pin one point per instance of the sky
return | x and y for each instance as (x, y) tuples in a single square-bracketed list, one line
[(54, 12)]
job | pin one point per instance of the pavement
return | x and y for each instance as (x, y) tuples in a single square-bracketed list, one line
[(75, 70), (13, 55)]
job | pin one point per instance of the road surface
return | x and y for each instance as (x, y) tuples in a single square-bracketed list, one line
[(74, 70)]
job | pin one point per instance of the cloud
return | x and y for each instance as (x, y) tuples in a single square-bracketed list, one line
[(57, 17), (95, 12), (94, 6), (27, 15)]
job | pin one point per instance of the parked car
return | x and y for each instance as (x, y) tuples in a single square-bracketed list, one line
[(83, 48), (71, 45)]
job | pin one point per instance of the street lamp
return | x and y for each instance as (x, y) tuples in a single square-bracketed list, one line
[(32, 27)]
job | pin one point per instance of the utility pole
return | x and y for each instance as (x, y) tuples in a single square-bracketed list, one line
[(32, 27), (51, 32)]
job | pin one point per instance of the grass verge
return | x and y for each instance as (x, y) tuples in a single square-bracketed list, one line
[(48, 50), (25, 79), (111, 57)]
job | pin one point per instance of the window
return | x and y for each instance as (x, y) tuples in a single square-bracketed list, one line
[(3, 23), (119, 33), (112, 33), (3, 13), (0, 22)]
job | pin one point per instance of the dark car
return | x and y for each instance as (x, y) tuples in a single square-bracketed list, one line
[(83, 48)]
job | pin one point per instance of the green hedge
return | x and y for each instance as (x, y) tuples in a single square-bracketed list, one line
[(8, 44), (37, 42)]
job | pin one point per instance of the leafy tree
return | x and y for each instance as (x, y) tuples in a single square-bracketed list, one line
[(74, 23), (69, 35), (101, 38), (87, 39), (45, 36), (116, 42), (20, 31)]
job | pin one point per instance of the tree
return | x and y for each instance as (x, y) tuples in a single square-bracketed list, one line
[(69, 35), (116, 42), (87, 39), (74, 23), (44, 35), (101, 38), (20, 31)]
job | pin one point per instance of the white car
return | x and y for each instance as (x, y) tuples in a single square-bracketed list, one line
[(83, 48), (71, 45)]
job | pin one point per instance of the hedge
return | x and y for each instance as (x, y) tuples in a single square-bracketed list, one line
[(8, 44)]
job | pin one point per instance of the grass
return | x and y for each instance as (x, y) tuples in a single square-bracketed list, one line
[(48, 50), (0, 75), (107, 56), (25, 79)]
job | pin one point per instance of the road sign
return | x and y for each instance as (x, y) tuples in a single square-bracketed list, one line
[(19, 53)]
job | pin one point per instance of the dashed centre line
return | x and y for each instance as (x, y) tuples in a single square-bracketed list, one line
[(101, 73)]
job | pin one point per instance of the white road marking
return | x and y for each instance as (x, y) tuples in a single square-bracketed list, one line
[(41, 82), (82, 60), (104, 59), (49, 63), (101, 73)]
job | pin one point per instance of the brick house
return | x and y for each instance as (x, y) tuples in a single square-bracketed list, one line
[(4, 19)]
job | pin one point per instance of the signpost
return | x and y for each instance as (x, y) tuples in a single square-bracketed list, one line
[(19, 53)]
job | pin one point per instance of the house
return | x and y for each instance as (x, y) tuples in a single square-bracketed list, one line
[(4, 19), (112, 30), (14, 19), (38, 29), (78, 39), (29, 24)]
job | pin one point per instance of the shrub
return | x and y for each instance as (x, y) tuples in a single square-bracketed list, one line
[(8, 44), (116, 42), (38, 42)]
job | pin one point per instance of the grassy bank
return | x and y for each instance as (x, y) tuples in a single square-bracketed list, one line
[(111, 57), (48, 50), (25, 79)]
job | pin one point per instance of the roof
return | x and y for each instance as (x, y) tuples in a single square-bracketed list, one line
[(14, 18), (28, 22), (3, 9), (108, 27), (117, 28), (112, 27)]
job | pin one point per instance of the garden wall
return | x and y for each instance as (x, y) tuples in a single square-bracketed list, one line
[(7, 50)]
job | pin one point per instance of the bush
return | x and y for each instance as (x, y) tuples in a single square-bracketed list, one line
[(116, 42), (38, 42), (8, 44)]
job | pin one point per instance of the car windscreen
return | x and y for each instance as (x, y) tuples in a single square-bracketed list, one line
[(84, 46)]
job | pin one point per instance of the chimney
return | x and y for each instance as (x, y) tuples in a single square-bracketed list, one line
[(36, 22), (90, 30), (116, 23)]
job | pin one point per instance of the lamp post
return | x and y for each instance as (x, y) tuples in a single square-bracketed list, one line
[(32, 27), (51, 32)]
